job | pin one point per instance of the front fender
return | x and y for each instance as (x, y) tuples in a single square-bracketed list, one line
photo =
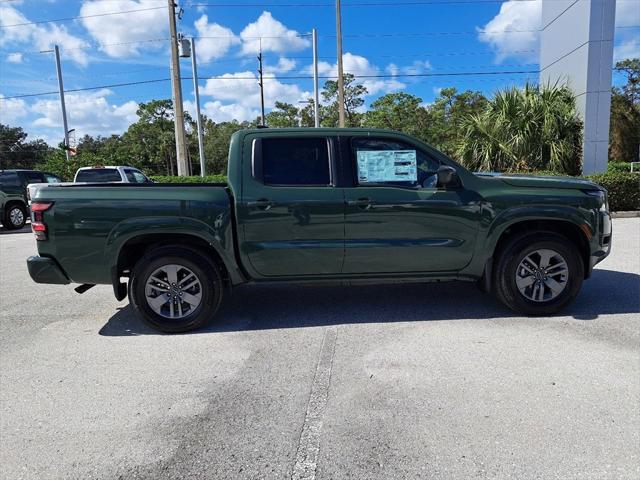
[(524, 213), (219, 236)]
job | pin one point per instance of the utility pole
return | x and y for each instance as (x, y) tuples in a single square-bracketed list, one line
[(315, 78), (261, 83), (340, 72), (62, 104), (181, 145), (196, 89)]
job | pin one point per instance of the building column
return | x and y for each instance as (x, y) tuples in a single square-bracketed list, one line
[(576, 47)]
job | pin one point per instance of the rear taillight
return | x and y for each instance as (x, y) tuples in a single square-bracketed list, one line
[(38, 227)]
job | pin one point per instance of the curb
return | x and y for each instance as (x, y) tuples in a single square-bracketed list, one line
[(632, 214)]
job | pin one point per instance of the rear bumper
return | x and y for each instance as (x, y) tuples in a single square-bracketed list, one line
[(46, 270)]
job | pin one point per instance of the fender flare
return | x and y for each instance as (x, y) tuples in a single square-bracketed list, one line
[(219, 237)]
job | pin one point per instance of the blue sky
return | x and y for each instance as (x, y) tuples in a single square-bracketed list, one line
[(386, 42)]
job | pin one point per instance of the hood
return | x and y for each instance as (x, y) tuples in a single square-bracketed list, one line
[(534, 181)]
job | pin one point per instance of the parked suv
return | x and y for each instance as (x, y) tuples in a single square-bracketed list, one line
[(14, 208), (110, 174)]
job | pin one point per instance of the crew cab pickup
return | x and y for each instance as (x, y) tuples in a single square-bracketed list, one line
[(322, 205)]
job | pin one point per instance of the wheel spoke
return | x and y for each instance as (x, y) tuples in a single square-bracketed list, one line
[(188, 277), (524, 282), (555, 287), (172, 273), (545, 257), (157, 302), (193, 300), (161, 282)]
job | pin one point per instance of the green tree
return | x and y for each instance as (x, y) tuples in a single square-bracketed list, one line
[(16, 152), (398, 111), (151, 140), (624, 132), (528, 129), (354, 94), (283, 115), (446, 117)]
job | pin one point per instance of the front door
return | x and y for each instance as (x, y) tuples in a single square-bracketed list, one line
[(291, 214), (397, 219)]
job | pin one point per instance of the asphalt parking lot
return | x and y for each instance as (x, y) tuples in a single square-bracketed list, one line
[(368, 382)]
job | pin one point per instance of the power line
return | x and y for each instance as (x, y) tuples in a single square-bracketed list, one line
[(356, 4), (291, 77), (67, 19)]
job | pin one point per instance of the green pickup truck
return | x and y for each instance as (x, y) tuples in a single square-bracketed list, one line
[(322, 205)]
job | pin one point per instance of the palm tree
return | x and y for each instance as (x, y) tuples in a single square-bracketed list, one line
[(527, 129)]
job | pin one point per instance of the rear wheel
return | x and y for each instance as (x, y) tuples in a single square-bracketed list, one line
[(538, 273), (175, 289), (15, 217)]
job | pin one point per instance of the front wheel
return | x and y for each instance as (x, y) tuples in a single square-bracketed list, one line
[(175, 289), (15, 217), (538, 274)]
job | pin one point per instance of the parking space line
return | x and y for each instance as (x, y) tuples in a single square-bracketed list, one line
[(309, 443)]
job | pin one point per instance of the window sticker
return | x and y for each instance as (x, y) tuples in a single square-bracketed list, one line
[(376, 166)]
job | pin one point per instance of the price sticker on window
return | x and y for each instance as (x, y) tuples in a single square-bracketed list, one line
[(379, 166)]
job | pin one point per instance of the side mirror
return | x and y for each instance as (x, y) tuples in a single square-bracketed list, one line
[(447, 177)]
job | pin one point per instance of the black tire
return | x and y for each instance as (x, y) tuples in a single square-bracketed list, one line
[(13, 212), (519, 248), (210, 287)]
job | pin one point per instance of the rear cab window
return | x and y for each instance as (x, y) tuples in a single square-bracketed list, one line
[(98, 175), (296, 161), (390, 162)]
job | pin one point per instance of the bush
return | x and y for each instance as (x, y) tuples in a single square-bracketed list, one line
[(207, 179), (623, 189), (618, 167)]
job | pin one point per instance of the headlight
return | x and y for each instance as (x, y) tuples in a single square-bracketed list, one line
[(600, 194)]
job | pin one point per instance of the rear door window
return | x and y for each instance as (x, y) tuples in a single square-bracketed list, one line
[(296, 161), (9, 179), (99, 175)]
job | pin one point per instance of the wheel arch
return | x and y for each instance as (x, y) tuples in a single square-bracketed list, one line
[(576, 233)]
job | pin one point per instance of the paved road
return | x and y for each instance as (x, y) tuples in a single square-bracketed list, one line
[(418, 381)]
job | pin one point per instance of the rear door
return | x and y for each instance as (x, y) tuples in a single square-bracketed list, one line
[(397, 219), (290, 213)]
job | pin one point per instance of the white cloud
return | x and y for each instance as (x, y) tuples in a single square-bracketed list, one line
[(284, 65), (213, 48), (629, 48), (89, 113), (517, 15), (40, 37), (15, 57), (513, 15), (418, 67), (627, 13), (127, 28), (361, 67), (12, 110), (237, 95), (276, 37)]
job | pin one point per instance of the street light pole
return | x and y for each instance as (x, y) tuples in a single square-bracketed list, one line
[(196, 89), (315, 78), (181, 145), (62, 104), (340, 72)]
